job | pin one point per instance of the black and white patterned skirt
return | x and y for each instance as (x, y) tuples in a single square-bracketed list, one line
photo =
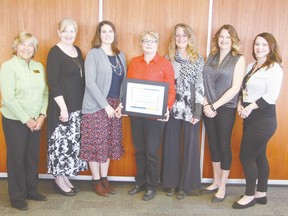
[(64, 148)]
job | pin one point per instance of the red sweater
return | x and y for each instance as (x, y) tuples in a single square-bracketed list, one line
[(158, 69)]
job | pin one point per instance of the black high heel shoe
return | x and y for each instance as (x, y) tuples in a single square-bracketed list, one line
[(58, 189)]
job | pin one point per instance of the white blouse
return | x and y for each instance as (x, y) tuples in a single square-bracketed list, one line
[(265, 83)]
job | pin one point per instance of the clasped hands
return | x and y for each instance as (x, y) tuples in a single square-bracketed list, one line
[(243, 112), (111, 113), (35, 124), (208, 112)]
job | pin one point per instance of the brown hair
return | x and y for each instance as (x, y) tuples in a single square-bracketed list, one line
[(234, 39), (191, 42), (96, 42), (274, 54)]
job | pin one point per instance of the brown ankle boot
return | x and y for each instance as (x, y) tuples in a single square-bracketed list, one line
[(98, 188), (107, 186)]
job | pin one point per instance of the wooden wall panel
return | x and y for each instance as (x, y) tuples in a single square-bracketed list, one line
[(251, 17), (131, 18), (40, 17)]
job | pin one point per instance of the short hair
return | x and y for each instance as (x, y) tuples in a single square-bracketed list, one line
[(96, 42), (152, 34), (234, 38), (274, 54), (21, 37), (191, 42), (62, 24)]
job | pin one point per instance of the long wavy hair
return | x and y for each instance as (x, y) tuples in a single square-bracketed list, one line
[(96, 42), (234, 39), (274, 54), (191, 42)]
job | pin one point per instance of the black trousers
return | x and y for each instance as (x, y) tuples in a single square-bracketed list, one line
[(258, 128), (219, 130), (181, 166), (147, 137), (22, 159)]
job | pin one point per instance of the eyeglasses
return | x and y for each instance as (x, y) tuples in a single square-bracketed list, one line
[(145, 41)]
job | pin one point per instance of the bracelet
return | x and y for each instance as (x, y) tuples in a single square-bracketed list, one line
[(206, 104), (212, 108)]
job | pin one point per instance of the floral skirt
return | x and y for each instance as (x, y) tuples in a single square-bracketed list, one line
[(64, 148), (101, 137)]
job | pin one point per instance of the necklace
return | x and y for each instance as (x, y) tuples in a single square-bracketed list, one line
[(246, 79), (76, 60), (117, 68)]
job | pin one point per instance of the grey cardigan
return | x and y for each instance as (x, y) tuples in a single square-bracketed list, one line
[(98, 78)]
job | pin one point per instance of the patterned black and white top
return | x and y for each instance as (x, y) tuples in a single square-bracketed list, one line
[(218, 78), (189, 88)]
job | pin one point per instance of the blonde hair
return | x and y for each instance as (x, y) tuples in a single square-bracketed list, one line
[(191, 42), (152, 34), (234, 39), (21, 37), (62, 25)]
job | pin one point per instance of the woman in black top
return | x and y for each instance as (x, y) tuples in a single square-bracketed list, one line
[(66, 86)]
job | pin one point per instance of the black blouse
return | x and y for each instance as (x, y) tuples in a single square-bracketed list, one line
[(64, 78)]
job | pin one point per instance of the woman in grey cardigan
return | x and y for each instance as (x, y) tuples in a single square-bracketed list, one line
[(105, 68)]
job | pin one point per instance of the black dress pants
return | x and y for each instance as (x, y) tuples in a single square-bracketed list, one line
[(22, 159), (258, 128), (219, 131), (181, 165), (147, 137)]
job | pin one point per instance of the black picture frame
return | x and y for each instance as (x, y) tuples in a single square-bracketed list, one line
[(145, 98)]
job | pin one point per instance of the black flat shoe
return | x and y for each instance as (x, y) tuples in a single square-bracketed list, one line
[(206, 191), (136, 189), (58, 189), (236, 205), (36, 197), (171, 192), (261, 200), (180, 195), (75, 189), (20, 205), (148, 195), (217, 199)]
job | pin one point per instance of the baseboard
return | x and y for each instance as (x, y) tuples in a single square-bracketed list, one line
[(132, 179)]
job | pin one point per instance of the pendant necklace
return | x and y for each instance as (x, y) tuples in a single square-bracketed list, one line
[(117, 68), (76, 60)]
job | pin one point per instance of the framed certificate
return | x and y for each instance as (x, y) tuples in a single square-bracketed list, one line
[(145, 98)]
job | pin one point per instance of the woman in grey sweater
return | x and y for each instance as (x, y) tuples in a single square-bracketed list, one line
[(105, 68)]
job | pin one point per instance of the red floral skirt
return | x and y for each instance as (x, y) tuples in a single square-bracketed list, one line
[(101, 137)]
